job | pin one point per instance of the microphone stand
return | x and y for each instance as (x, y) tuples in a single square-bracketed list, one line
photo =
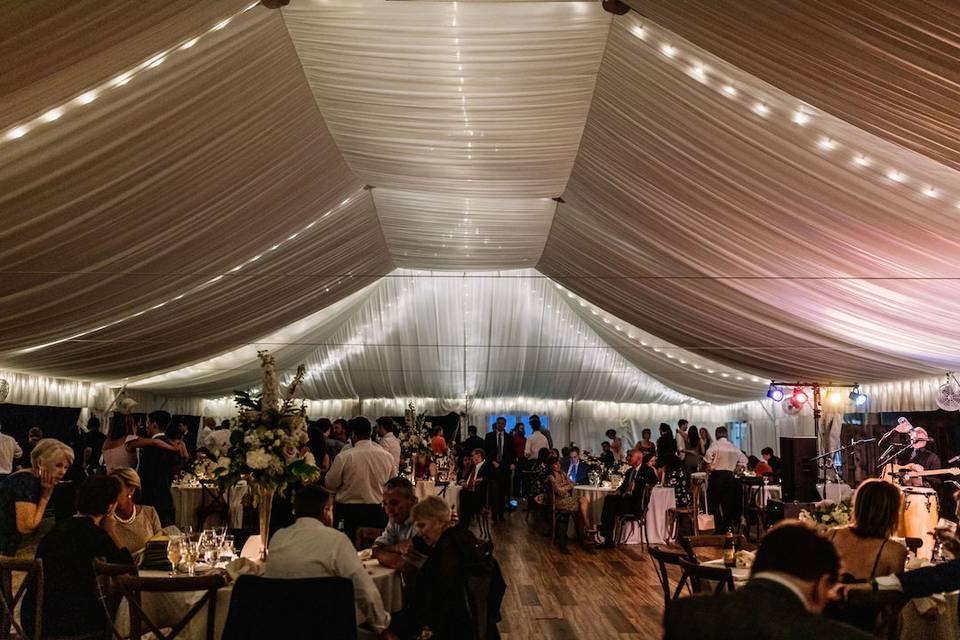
[(888, 458), (829, 455)]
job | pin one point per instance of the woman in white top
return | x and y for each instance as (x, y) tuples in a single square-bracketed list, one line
[(120, 447)]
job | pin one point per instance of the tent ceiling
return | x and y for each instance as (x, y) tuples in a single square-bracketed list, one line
[(215, 201)]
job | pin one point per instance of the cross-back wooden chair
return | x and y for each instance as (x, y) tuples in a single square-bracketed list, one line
[(697, 573), (662, 558), (33, 575)]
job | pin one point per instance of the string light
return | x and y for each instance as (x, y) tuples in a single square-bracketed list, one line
[(89, 96)]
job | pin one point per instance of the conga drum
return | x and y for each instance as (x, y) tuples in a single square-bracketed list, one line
[(921, 512)]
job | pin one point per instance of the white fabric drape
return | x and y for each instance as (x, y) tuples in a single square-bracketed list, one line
[(195, 208), (54, 392), (703, 213)]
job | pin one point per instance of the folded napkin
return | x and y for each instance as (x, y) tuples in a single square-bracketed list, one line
[(745, 559), (243, 567)]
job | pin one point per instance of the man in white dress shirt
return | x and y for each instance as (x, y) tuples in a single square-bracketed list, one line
[(535, 442), (723, 490), (357, 476), (310, 548), (388, 440), (9, 450)]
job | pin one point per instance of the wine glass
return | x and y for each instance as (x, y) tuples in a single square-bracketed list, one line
[(227, 550), (188, 551), (173, 554), (221, 532)]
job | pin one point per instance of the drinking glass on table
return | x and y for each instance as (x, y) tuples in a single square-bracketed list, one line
[(188, 552), (227, 550), (173, 554), (220, 532)]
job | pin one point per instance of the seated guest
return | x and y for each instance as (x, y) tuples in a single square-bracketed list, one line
[(758, 467), (442, 599), (473, 496), (772, 461), (135, 524), (70, 603), (865, 548), (606, 455), (675, 475), (648, 469), (563, 499), (357, 475), (576, 471), (398, 499), (792, 577), (25, 494), (626, 499), (312, 548)]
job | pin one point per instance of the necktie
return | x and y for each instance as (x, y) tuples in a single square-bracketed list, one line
[(473, 480), (499, 446), (573, 472)]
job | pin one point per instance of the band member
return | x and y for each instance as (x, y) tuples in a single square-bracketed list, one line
[(919, 458)]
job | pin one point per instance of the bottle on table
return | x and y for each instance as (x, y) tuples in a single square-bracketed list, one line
[(729, 550)]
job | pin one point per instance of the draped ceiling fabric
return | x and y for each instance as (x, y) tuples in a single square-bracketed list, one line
[(749, 191)]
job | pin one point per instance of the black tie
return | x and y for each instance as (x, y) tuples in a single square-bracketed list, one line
[(499, 446)]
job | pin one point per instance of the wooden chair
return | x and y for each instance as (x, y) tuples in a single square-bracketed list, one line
[(33, 575), (132, 587), (676, 514), (690, 544), (365, 537), (636, 518), (697, 573), (661, 558), (213, 502)]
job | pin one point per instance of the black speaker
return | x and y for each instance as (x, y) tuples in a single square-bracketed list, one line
[(799, 470)]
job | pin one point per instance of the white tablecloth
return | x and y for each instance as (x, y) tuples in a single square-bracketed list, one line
[(188, 498), (595, 496), (451, 496), (388, 583), (661, 500), (835, 492)]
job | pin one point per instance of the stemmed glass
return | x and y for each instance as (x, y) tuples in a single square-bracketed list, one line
[(173, 554), (189, 551)]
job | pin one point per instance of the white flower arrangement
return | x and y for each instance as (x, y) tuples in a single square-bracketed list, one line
[(827, 513)]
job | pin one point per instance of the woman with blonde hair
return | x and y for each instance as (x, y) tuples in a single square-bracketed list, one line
[(135, 524), (25, 494), (865, 548)]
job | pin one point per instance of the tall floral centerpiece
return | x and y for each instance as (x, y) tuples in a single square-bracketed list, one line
[(414, 440), (268, 443)]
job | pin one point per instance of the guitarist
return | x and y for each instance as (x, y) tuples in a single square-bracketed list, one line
[(919, 458)]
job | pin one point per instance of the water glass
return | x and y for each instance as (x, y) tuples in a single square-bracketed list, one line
[(173, 554), (189, 553)]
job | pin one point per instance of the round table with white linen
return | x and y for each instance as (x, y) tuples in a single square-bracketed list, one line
[(835, 492), (450, 493), (662, 499), (188, 498), (595, 496), (388, 583)]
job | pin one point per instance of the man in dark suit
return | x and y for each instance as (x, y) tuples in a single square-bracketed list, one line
[(574, 468), (793, 574), (157, 468), (502, 457), (472, 442), (626, 499), (476, 485)]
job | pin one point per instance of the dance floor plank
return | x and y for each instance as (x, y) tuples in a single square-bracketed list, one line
[(588, 593)]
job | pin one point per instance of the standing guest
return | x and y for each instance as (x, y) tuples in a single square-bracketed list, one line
[(535, 442), (387, 439), (645, 445), (705, 439), (625, 499), (333, 445), (357, 476), (339, 430), (475, 495), (135, 524), (519, 441), (499, 452), (442, 599), (792, 577), (9, 451), (865, 548), (218, 442), (158, 467), (175, 434), (775, 464), (24, 495), (317, 445), (93, 441), (34, 436), (666, 443), (675, 475), (70, 604), (311, 548), (693, 453), (116, 454), (616, 445), (573, 467), (438, 444), (681, 437), (723, 490), (606, 454), (472, 442), (207, 427), (535, 420)]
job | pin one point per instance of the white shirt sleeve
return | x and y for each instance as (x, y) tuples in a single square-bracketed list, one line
[(334, 478), (711, 456), (17, 451), (365, 594), (741, 459)]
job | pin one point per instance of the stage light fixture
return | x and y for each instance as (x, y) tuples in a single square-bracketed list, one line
[(859, 399), (775, 393), (799, 395)]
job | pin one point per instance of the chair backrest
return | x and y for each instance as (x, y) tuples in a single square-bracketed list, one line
[(661, 558), (131, 587), (109, 594), (292, 609), (690, 544), (365, 537), (33, 579), (696, 573)]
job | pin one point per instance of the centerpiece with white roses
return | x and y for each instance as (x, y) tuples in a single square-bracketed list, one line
[(268, 442)]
